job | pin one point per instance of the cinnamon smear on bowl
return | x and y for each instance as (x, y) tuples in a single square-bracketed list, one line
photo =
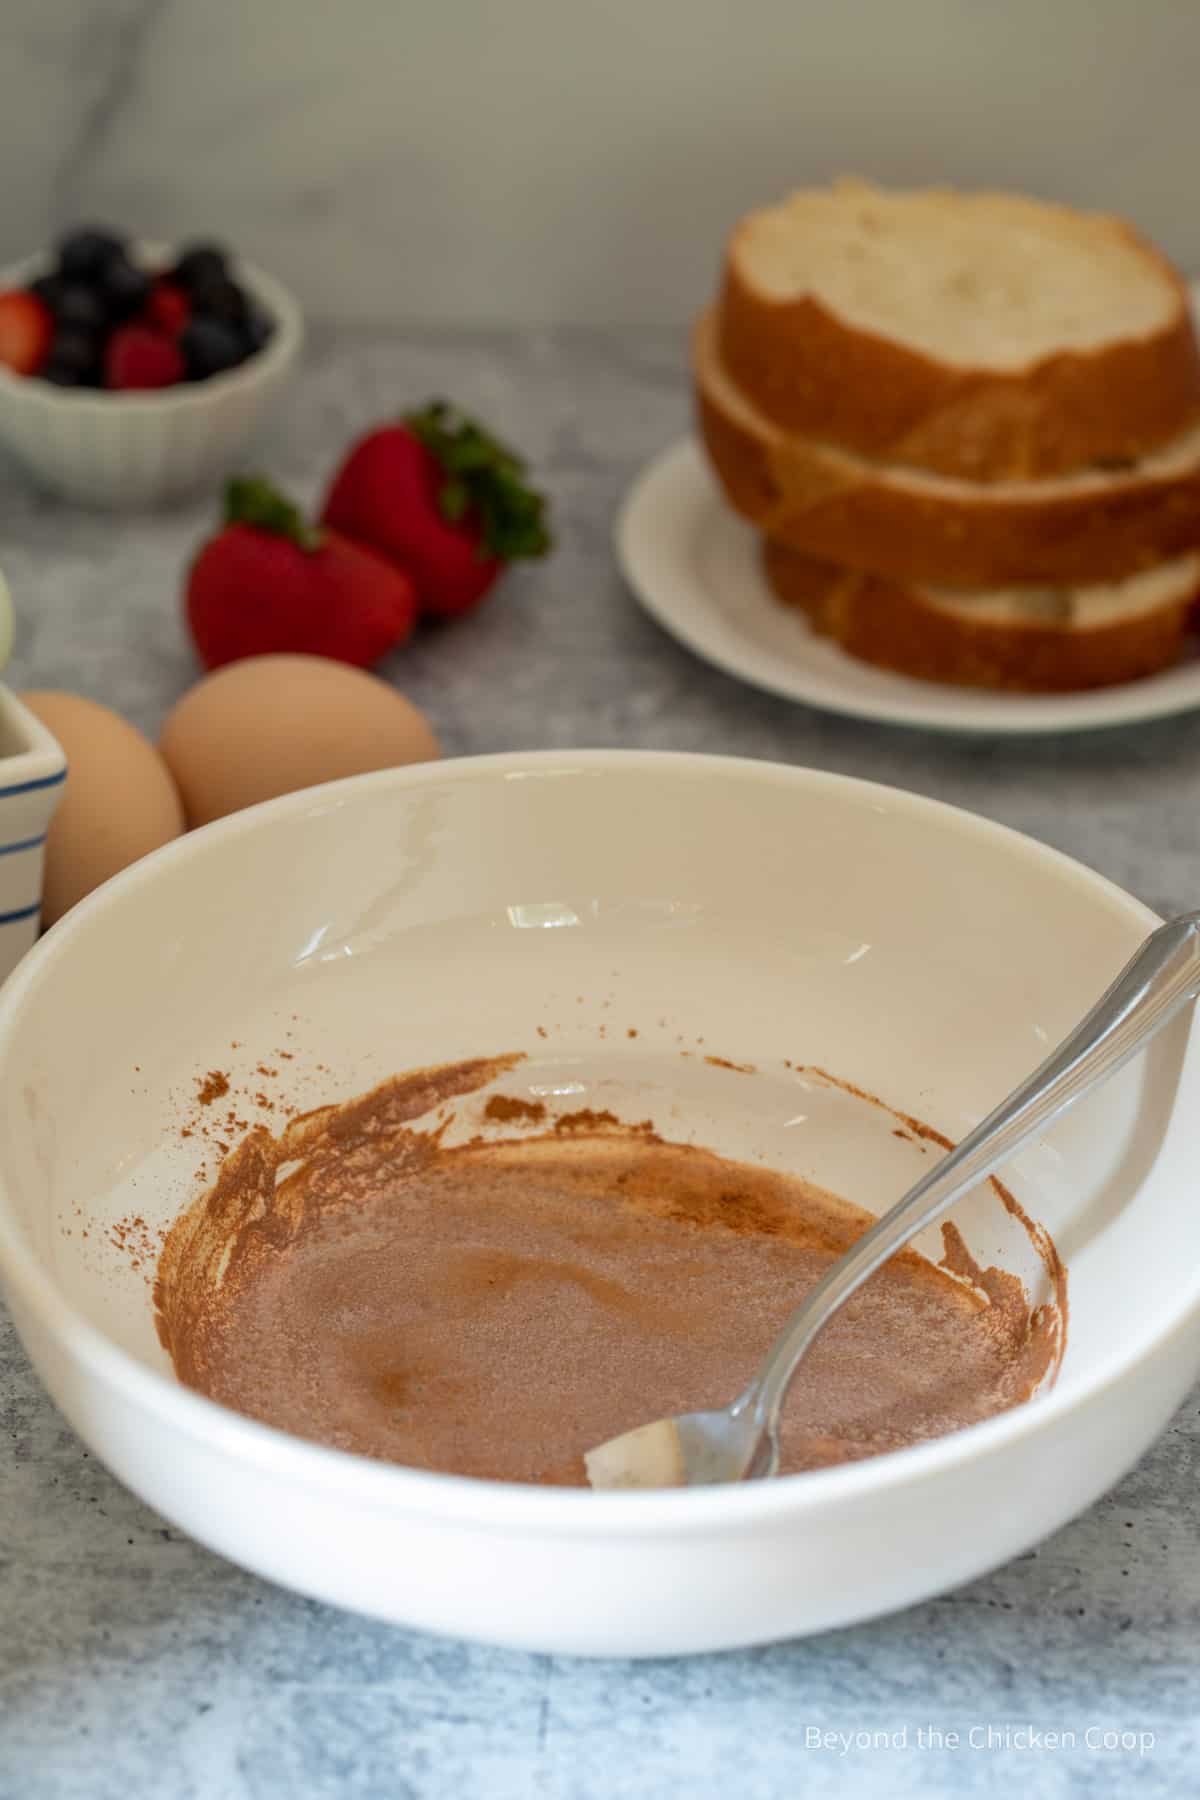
[(495, 1307)]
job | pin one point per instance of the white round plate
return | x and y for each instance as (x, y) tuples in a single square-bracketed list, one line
[(693, 564)]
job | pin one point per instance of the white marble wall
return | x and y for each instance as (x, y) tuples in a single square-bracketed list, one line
[(540, 160)]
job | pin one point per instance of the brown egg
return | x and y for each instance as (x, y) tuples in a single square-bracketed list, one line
[(272, 724), (119, 801)]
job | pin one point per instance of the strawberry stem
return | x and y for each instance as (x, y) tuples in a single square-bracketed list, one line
[(486, 478), (253, 500)]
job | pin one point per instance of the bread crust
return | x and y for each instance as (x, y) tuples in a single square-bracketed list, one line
[(809, 371), (895, 626), (845, 510)]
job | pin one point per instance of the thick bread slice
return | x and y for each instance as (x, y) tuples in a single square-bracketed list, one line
[(845, 509), (1052, 640), (978, 335)]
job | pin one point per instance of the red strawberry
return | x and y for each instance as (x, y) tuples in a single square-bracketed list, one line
[(26, 327), (168, 309), (443, 499), (268, 581), (137, 357)]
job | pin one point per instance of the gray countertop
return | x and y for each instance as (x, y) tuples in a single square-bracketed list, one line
[(134, 1663)]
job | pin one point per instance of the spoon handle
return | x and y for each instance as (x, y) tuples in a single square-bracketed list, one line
[(1161, 978)]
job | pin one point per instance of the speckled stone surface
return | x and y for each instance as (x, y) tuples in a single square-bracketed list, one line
[(133, 1663)]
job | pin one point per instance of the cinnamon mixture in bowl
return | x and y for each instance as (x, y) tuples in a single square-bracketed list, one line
[(494, 1307)]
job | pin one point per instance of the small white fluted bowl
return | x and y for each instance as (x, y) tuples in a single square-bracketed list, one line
[(33, 768), (554, 904), (137, 449)]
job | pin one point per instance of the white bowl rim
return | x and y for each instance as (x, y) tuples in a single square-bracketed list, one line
[(516, 1506), (40, 762), (274, 356)]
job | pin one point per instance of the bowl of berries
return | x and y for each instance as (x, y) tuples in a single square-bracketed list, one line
[(131, 373)]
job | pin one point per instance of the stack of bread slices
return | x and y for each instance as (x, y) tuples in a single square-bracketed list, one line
[(968, 429)]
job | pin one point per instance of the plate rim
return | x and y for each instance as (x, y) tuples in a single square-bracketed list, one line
[(675, 474)]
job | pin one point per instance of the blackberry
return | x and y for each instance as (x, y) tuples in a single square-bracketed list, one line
[(200, 265), (124, 288), (84, 252)]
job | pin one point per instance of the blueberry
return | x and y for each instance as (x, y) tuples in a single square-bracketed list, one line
[(63, 375), (48, 289), (123, 288), (257, 330), (219, 299), (73, 348), (200, 264), (208, 346), (83, 253), (75, 304)]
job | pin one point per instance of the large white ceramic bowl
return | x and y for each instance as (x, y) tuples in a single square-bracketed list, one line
[(760, 914), (123, 450)]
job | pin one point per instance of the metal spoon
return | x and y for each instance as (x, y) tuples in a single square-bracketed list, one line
[(741, 1441)]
